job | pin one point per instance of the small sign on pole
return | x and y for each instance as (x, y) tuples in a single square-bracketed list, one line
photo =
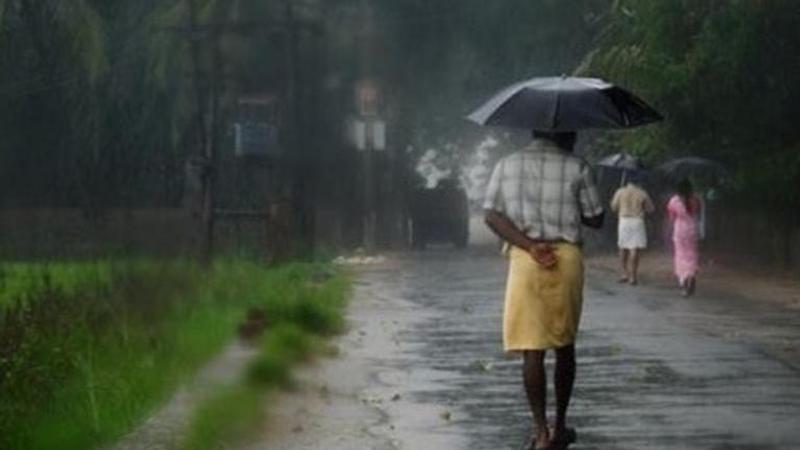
[(255, 126), (256, 139), (359, 134), (368, 135), (379, 135)]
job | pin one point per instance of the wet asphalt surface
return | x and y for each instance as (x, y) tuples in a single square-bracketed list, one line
[(655, 370)]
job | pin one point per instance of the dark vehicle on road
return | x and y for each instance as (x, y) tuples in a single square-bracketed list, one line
[(440, 215)]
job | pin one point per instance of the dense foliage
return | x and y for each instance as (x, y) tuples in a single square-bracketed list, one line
[(81, 118), (100, 98), (725, 75)]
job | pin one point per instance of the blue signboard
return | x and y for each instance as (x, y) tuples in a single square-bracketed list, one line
[(256, 139)]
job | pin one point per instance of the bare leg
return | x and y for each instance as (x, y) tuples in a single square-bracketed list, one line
[(685, 286), (634, 264), (623, 259), (564, 380), (535, 380)]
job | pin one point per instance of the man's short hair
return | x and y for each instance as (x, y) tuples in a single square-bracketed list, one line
[(635, 176)]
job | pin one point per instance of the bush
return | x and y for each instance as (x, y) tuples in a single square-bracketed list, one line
[(283, 346)]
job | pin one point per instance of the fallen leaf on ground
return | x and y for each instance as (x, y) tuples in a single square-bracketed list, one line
[(485, 366)]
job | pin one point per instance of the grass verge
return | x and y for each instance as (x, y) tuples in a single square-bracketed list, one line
[(87, 350), (226, 417), (309, 314)]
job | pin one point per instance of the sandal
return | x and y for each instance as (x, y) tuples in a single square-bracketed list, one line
[(531, 444), (563, 441)]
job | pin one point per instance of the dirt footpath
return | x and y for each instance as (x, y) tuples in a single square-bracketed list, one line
[(355, 400)]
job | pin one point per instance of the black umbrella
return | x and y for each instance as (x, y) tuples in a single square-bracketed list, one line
[(693, 166), (622, 164), (564, 104), (621, 161)]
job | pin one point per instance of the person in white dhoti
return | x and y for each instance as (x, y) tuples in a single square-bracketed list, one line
[(631, 203)]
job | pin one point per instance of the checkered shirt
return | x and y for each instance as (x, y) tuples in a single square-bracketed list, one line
[(545, 191)]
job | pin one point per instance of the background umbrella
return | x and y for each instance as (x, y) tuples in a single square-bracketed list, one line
[(693, 166), (564, 104), (621, 161), (621, 164)]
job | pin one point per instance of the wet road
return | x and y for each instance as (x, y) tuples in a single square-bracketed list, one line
[(655, 370)]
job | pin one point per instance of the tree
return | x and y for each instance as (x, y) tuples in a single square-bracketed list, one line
[(724, 74)]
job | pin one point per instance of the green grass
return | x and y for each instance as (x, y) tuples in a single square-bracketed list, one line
[(89, 349), (18, 281), (226, 417), (305, 312), (282, 346)]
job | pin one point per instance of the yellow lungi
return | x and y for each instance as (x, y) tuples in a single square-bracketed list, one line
[(543, 306)]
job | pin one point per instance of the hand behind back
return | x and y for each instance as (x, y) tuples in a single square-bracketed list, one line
[(544, 254)]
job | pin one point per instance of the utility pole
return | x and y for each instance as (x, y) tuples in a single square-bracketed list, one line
[(300, 83), (207, 123), (293, 125), (368, 105), (203, 135), (211, 149), (371, 215)]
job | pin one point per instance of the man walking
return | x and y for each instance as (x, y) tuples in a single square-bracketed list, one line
[(631, 203), (536, 200)]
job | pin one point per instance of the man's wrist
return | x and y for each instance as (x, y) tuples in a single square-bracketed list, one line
[(534, 245)]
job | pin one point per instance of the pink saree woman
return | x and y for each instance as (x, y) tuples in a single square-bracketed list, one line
[(684, 211)]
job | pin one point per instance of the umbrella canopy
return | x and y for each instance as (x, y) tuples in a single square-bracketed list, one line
[(621, 161), (564, 104), (622, 164), (693, 166)]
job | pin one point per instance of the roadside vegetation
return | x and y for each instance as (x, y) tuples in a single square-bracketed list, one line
[(687, 58), (234, 413), (88, 350)]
